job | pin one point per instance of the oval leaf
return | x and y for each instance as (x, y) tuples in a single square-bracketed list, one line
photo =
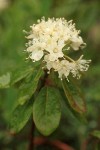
[(20, 116), (27, 89), (18, 75), (74, 96), (47, 110)]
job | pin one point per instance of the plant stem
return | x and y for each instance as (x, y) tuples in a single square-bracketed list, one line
[(67, 57), (31, 137)]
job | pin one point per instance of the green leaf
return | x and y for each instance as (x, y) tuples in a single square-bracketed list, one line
[(81, 117), (17, 75), (5, 80), (20, 116), (96, 133), (74, 96), (47, 110), (11, 78), (27, 89)]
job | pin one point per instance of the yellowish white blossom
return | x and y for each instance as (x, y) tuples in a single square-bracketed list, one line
[(48, 39), (64, 67), (79, 66)]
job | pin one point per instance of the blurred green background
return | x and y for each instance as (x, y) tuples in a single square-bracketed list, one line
[(17, 15)]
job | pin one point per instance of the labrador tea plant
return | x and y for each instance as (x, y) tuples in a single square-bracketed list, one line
[(49, 76)]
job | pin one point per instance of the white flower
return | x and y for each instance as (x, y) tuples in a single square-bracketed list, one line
[(78, 66), (52, 35), (63, 67), (50, 40), (36, 55), (82, 64), (76, 42)]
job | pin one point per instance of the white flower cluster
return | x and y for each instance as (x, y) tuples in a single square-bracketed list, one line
[(49, 39)]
